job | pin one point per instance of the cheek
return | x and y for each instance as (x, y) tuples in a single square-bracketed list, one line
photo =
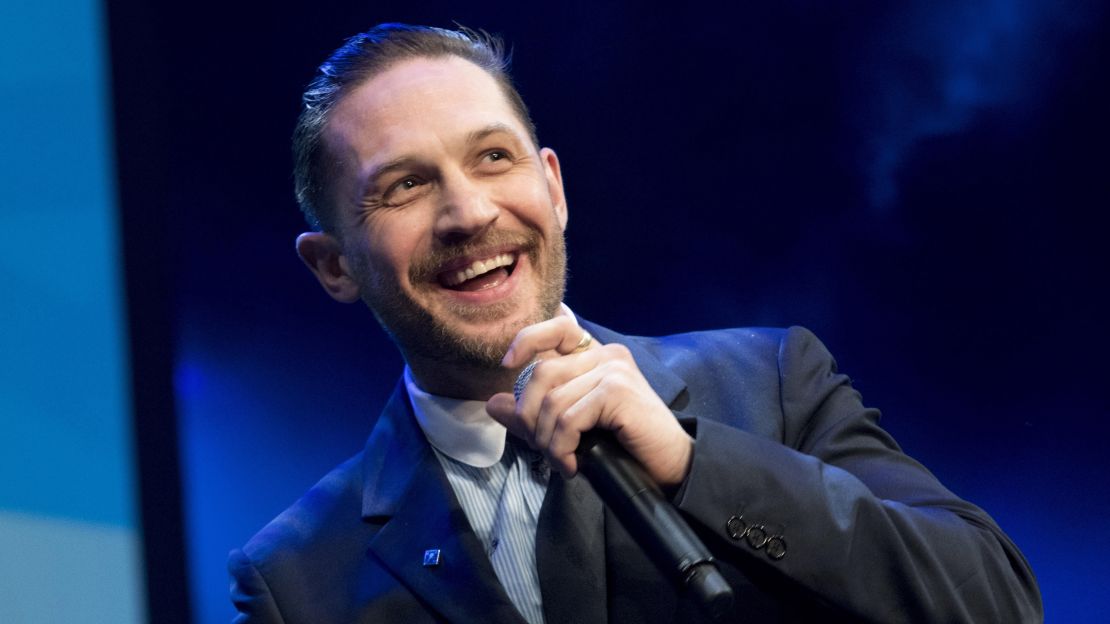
[(392, 245), (529, 202)]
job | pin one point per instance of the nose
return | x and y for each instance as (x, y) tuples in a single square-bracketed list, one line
[(466, 210)]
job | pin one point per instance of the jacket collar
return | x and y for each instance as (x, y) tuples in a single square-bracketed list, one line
[(394, 451), (665, 383)]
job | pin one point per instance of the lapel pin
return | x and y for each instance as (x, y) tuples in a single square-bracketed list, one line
[(431, 558)]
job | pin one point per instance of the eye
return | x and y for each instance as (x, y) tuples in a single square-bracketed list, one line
[(403, 190), (496, 161)]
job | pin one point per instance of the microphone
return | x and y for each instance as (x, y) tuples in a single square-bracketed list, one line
[(626, 489)]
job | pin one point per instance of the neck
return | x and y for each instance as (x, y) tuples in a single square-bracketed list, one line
[(461, 381)]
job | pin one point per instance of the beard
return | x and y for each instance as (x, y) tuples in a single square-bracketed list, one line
[(418, 331)]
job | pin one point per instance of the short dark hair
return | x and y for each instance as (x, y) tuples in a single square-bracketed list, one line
[(359, 59)]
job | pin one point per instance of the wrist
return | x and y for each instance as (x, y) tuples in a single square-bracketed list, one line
[(674, 478)]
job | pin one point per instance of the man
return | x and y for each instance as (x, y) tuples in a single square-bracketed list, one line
[(431, 201)]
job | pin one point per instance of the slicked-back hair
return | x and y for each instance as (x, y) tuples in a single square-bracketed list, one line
[(359, 59)]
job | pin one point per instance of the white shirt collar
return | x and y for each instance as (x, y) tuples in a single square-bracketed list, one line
[(460, 428)]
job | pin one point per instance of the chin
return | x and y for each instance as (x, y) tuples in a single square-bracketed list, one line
[(443, 328)]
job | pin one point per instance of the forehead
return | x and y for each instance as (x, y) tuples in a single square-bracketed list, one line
[(415, 103)]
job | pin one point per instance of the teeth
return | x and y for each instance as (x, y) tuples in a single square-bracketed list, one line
[(479, 267)]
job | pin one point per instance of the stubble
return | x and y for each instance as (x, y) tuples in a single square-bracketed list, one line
[(420, 333)]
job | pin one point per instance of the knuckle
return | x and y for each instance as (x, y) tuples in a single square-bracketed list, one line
[(564, 421), (549, 404), (614, 372), (618, 351)]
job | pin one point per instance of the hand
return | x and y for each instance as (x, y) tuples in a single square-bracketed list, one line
[(570, 393)]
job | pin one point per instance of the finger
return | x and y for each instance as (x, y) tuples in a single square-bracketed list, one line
[(654, 438), (502, 408), (560, 334), (566, 465), (558, 375), (586, 412), (553, 407), (546, 376), (518, 415)]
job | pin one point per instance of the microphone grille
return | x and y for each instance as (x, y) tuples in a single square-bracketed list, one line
[(523, 378)]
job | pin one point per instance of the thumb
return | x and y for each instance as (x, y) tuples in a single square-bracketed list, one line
[(502, 408)]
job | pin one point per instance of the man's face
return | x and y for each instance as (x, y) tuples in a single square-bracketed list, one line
[(449, 219)]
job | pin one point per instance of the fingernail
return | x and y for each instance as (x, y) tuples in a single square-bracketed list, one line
[(508, 357)]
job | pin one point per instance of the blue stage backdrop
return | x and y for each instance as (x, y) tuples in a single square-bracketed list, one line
[(70, 548), (921, 183)]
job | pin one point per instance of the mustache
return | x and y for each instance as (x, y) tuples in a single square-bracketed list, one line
[(429, 266)]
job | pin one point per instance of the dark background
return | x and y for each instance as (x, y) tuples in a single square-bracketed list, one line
[(923, 184)]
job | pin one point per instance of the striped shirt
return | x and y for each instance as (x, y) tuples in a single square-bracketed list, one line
[(500, 484)]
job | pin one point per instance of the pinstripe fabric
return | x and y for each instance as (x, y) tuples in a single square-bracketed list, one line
[(502, 503)]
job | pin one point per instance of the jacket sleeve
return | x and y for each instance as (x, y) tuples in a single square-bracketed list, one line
[(837, 508), (249, 592)]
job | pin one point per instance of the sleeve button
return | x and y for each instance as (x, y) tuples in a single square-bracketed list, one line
[(776, 548), (736, 528), (757, 537)]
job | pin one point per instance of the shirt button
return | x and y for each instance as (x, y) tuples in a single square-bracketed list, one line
[(540, 470)]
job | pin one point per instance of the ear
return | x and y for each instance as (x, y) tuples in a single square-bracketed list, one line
[(555, 184), (323, 255)]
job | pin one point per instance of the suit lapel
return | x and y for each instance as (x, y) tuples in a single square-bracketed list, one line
[(405, 486)]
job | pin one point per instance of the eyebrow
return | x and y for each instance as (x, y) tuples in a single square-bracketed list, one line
[(371, 181), (387, 167), (403, 162), (493, 128)]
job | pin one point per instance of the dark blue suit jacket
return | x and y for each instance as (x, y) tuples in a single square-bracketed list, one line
[(784, 449)]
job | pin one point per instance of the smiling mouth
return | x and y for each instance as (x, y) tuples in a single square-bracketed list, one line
[(480, 274)]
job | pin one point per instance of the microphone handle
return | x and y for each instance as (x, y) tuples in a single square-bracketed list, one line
[(625, 487)]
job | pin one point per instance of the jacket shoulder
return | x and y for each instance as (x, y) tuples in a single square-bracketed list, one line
[(754, 350), (331, 508), (739, 375), (304, 563)]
